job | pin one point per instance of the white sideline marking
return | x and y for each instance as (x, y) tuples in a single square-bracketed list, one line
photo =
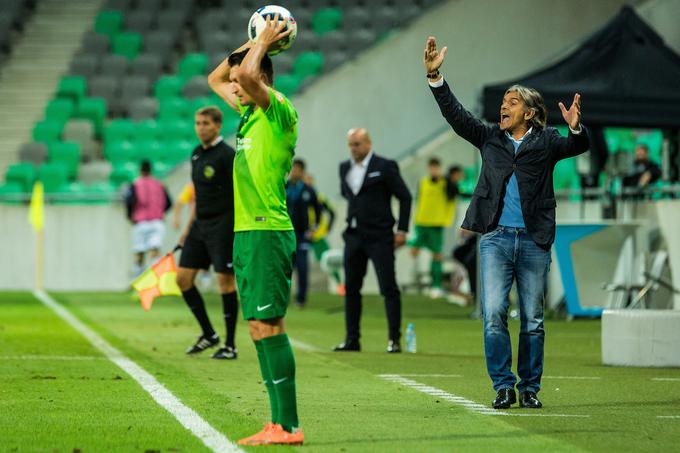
[(50, 357), (584, 378), (666, 379), (303, 346), (468, 404), (433, 375), (213, 439), (668, 416)]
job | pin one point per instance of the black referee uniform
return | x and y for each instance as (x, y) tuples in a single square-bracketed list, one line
[(210, 239)]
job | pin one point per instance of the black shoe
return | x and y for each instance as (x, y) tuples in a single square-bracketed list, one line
[(529, 400), (226, 353), (504, 399), (347, 346), (203, 343), (393, 347)]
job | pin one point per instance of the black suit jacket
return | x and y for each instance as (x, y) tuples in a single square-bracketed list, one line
[(371, 207), (533, 165)]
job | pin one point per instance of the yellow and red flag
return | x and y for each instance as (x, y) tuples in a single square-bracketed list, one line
[(158, 280)]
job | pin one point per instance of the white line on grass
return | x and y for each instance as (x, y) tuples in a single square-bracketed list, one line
[(433, 375), (200, 428), (582, 378), (50, 357), (666, 379), (468, 404), (303, 346)]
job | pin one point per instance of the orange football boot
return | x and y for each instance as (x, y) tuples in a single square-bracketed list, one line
[(261, 438), (279, 436)]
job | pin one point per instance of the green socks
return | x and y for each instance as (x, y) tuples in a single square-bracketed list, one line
[(436, 273), (278, 355), (267, 379)]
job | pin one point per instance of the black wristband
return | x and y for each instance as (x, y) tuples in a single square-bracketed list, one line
[(433, 75)]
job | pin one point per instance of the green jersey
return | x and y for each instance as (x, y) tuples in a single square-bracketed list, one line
[(265, 146)]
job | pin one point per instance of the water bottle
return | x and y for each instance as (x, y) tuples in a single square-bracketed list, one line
[(410, 338)]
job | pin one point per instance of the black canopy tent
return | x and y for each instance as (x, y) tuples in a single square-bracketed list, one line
[(626, 75)]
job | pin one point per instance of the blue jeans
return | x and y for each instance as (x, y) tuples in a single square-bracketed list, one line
[(507, 254)]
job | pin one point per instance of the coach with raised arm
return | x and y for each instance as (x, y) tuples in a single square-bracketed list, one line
[(513, 207)]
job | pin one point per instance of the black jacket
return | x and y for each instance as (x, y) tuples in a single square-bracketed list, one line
[(533, 165), (371, 207)]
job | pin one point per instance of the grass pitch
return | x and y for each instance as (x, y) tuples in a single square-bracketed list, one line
[(58, 393)]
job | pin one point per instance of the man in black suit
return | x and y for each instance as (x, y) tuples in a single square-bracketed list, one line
[(369, 182)]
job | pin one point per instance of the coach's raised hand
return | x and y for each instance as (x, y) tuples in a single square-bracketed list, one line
[(433, 59), (573, 115)]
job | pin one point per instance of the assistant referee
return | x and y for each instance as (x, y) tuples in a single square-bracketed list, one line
[(209, 235)]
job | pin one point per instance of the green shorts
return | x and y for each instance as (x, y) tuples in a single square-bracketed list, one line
[(263, 263), (431, 238), (319, 247)]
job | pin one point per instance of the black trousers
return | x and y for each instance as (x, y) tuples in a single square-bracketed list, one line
[(359, 248)]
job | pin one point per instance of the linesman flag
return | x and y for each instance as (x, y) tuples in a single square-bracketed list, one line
[(36, 211), (157, 280)]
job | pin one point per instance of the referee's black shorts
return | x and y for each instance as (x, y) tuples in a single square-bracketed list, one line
[(210, 241)]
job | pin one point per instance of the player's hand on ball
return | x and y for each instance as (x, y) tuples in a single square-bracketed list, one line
[(433, 59), (273, 32)]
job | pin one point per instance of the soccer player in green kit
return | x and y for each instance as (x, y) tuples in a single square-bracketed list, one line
[(264, 240)]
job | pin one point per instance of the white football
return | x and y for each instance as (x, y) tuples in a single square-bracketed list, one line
[(258, 20)]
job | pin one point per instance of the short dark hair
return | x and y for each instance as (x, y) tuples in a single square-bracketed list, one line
[(266, 65), (455, 169), (643, 146), (211, 111), (299, 162), (145, 167), (434, 161)]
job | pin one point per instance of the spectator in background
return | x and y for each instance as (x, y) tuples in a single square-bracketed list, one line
[(369, 182), (644, 170), (324, 224), (147, 201), (187, 197), (436, 205), (301, 198)]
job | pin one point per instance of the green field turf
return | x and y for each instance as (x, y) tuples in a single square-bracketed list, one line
[(59, 393)]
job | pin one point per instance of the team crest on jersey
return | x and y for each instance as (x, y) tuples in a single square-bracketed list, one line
[(208, 172)]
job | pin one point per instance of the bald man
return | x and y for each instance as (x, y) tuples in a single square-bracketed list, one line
[(369, 182)]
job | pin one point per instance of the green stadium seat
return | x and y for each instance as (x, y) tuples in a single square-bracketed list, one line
[(67, 153), (326, 19), (230, 124), (123, 173), (174, 108), (73, 87), (168, 87), (176, 129), (93, 109), (308, 64), (565, 175), (119, 129), (60, 109), (120, 151), (177, 151), (47, 131), (11, 193), (127, 44), (287, 84), (22, 174), (54, 177), (193, 64), (108, 22), (161, 169), (151, 150), (200, 102), (146, 130)]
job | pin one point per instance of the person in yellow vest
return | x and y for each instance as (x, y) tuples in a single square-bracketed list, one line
[(436, 207), (325, 223), (187, 197)]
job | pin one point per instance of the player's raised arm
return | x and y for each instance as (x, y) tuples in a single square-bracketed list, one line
[(220, 82), (249, 74)]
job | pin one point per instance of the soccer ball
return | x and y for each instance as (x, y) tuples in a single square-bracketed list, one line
[(258, 20)]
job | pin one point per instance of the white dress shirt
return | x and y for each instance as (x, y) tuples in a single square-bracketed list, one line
[(357, 173)]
